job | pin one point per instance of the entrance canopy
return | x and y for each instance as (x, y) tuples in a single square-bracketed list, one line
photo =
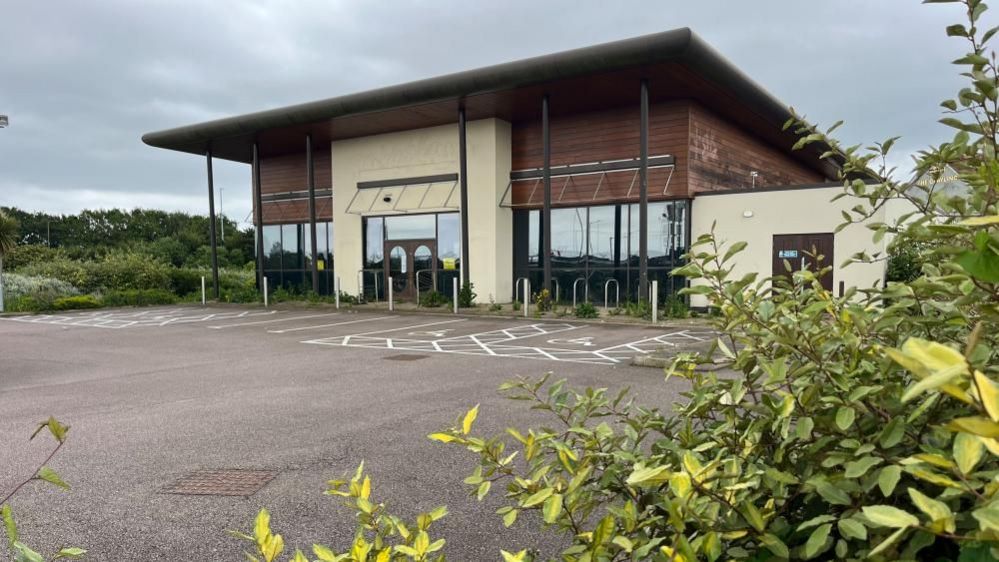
[(593, 182), (426, 194)]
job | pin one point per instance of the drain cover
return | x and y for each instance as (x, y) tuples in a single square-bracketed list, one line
[(405, 357), (221, 482)]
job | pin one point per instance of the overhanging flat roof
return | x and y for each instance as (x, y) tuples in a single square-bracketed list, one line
[(677, 64)]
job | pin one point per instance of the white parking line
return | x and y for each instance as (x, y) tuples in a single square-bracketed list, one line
[(224, 326), (300, 328), (409, 327)]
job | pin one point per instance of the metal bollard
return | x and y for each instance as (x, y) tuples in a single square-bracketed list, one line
[(527, 295), (203, 301), (455, 291), (655, 301), (391, 298), (336, 287), (265, 292)]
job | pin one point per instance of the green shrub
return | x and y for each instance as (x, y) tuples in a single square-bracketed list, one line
[(434, 299), (543, 301), (29, 254), (184, 281), (859, 427), (586, 310), (904, 264), (138, 297), (466, 296), (79, 301), (516, 305), (640, 309), (675, 306)]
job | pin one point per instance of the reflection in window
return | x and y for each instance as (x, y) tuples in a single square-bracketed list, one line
[(449, 236), (272, 247), (291, 245), (398, 266), (601, 237), (374, 246), (533, 237), (410, 227), (568, 236)]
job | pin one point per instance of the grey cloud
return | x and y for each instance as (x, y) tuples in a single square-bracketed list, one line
[(83, 80)]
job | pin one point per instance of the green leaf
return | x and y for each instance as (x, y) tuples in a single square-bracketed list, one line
[(888, 478), (851, 528), (466, 423), (988, 517), (892, 434), (71, 552), (24, 554), (888, 516), (8, 522), (885, 544), (518, 557), (832, 494), (968, 451), (752, 516), (774, 545), (510, 517), (538, 497), (988, 393), (817, 540), (980, 264), (324, 553), (844, 417), (483, 489), (860, 467), (47, 474), (552, 508), (649, 475), (936, 510), (975, 425)]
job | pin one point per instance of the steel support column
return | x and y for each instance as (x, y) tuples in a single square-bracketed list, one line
[(643, 196), (211, 223), (463, 193), (258, 215), (546, 210), (311, 172)]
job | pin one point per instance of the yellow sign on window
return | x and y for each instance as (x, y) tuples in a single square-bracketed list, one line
[(321, 265), (450, 263)]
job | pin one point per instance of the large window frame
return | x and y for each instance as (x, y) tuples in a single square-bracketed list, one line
[(293, 271)]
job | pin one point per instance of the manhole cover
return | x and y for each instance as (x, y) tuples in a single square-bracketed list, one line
[(405, 357), (222, 482)]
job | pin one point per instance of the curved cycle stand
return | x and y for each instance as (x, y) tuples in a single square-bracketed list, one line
[(617, 293)]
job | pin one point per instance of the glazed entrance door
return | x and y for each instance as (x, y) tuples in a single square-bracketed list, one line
[(409, 262)]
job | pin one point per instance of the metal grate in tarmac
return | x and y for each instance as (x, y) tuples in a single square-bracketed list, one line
[(221, 482)]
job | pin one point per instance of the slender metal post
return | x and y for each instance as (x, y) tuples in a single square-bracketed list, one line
[(546, 210), (258, 215), (454, 289), (203, 299), (312, 210), (391, 297), (655, 301), (643, 193), (527, 296), (336, 284), (211, 223), (463, 193), (265, 292)]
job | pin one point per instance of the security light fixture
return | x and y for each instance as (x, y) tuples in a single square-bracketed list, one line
[(3, 121), (387, 199)]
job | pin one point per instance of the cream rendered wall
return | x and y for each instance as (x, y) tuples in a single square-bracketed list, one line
[(793, 211), (427, 152)]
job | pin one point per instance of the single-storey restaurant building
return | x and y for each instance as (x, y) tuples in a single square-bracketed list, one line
[(586, 171)]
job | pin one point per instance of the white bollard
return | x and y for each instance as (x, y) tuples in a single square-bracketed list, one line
[(336, 287), (202, 290), (455, 291), (265, 291), (391, 299), (655, 301), (527, 295)]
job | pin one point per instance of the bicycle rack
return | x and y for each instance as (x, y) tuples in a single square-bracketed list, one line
[(516, 288), (558, 291), (360, 283), (617, 293), (433, 281), (574, 285)]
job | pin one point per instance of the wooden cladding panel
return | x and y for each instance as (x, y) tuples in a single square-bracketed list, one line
[(288, 172), (297, 211), (612, 134), (722, 156)]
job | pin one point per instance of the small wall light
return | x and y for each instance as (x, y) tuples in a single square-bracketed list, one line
[(747, 214)]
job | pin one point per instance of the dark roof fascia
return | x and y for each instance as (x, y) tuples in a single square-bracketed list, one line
[(797, 187)]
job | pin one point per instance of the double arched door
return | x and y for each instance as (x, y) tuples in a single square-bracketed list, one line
[(411, 265)]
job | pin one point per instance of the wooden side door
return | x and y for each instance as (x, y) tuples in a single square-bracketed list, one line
[(406, 259), (802, 251)]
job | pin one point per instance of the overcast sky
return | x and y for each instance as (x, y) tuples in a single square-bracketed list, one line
[(83, 80)]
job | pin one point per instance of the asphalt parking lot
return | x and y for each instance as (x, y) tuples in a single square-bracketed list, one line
[(153, 395)]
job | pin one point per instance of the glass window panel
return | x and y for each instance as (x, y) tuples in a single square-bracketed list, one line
[(291, 245), (448, 236), (568, 236), (374, 243), (533, 237), (398, 265), (659, 232), (602, 239), (272, 247), (410, 227)]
